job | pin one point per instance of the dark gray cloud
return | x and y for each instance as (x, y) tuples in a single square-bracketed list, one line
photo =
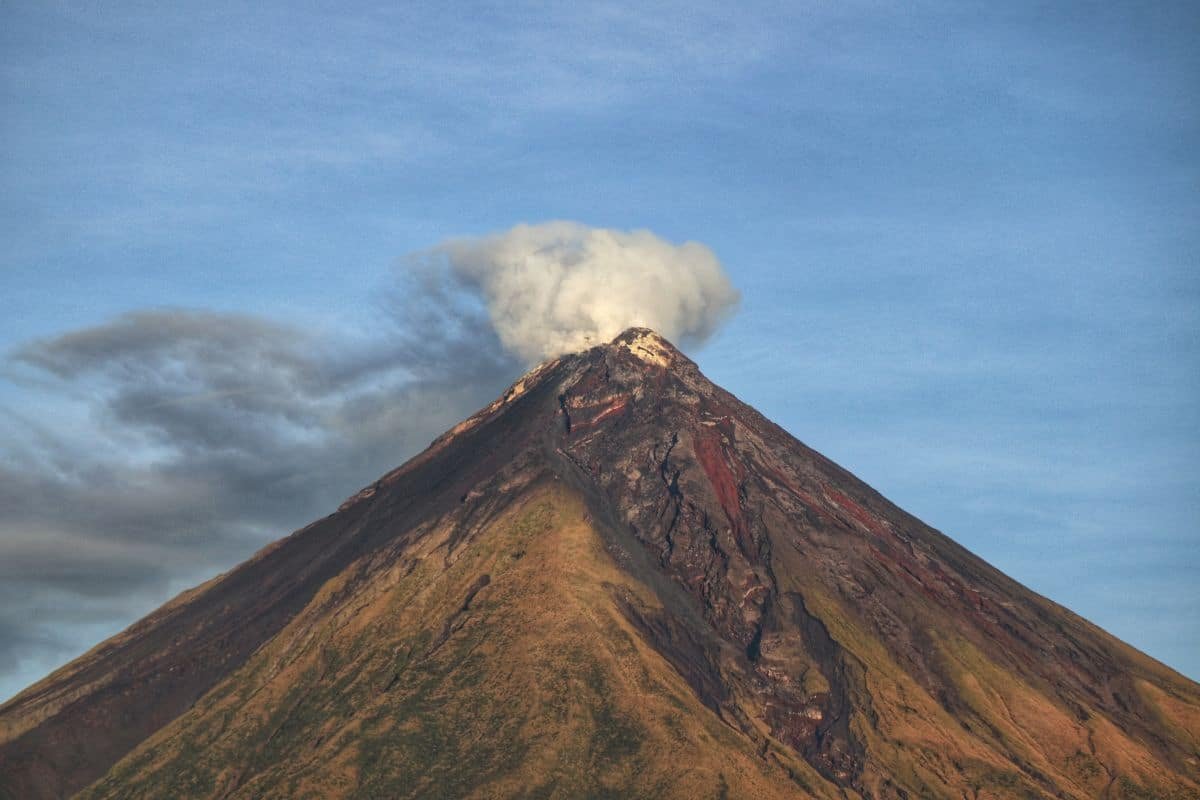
[(190, 438)]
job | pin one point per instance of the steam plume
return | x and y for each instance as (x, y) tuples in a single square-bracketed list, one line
[(558, 287)]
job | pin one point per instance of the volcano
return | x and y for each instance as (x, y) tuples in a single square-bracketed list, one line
[(616, 580)]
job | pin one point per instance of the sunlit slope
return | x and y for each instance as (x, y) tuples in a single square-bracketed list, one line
[(496, 665), (500, 661)]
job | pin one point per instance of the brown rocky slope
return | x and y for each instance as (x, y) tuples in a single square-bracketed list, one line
[(615, 581)]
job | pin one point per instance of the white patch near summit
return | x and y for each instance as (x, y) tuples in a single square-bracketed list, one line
[(649, 347)]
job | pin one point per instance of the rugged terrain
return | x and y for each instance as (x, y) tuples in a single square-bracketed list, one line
[(615, 581)]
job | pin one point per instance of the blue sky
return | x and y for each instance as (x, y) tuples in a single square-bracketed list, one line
[(965, 236)]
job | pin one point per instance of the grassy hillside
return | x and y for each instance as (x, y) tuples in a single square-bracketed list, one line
[(499, 665)]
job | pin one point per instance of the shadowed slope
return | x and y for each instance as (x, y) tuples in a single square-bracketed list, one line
[(615, 579)]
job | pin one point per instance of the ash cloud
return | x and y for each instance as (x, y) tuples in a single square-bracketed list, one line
[(163, 446)]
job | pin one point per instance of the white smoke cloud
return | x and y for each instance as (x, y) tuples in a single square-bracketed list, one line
[(559, 287)]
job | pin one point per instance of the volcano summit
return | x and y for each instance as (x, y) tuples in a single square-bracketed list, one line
[(616, 580)]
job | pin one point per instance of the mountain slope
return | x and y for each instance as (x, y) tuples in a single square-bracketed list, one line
[(617, 580)]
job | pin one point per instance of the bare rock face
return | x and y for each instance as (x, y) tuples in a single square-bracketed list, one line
[(616, 580)]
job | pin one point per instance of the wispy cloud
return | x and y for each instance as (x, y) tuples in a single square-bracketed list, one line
[(209, 435)]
